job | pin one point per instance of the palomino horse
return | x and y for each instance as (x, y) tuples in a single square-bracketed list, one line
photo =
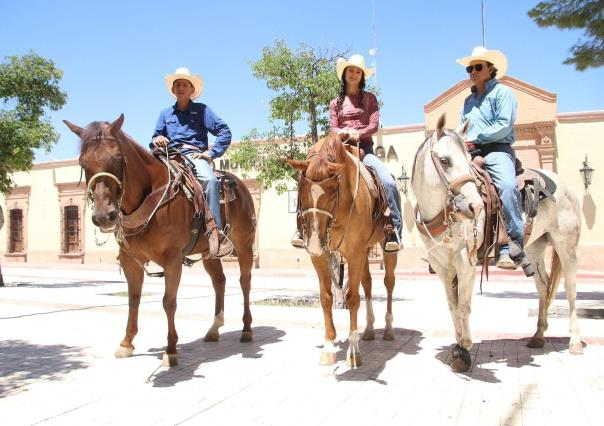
[(337, 216), (453, 254), (121, 175)]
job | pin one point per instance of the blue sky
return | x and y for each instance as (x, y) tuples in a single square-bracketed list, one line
[(114, 54)]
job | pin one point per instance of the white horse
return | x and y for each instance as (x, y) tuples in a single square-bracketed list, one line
[(441, 177)]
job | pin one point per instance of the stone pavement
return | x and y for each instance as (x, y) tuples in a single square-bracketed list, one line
[(59, 327)]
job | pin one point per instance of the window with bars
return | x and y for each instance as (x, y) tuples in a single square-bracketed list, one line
[(71, 229), (15, 243)]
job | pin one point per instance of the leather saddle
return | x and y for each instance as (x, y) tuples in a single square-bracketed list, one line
[(184, 177), (533, 185)]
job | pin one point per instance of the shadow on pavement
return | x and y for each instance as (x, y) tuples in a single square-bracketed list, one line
[(376, 353), (22, 363), (193, 354), (62, 284), (511, 352), (581, 295)]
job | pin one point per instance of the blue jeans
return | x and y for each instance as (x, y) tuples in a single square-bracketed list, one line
[(211, 186), (394, 199), (501, 164)]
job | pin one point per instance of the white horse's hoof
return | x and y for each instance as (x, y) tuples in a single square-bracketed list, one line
[(369, 335), (211, 337), (169, 360), (536, 342), (388, 335), (246, 336), (328, 358), (575, 348), (123, 352)]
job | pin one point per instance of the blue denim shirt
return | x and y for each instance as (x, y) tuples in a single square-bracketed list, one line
[(191, 127), (492, 114)]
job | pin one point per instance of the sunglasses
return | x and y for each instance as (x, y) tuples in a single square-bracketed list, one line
[(477, 67)]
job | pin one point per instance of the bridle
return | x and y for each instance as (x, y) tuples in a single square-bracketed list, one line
[(450, 212), (121, 183), (312, 210), (454, 185)]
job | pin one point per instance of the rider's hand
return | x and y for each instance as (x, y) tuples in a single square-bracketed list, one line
[(203, 155), (349, 135), (160, 141), (471, 146)]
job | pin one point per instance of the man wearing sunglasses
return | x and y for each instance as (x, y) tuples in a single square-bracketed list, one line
[(491, 109)]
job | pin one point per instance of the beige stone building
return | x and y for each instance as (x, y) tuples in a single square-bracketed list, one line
[(48, 220)]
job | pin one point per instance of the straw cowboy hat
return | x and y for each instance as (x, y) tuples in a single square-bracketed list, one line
[(354, 61), (183, 73), (495, 57)]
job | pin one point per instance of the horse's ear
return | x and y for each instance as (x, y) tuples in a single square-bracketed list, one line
[(335, 167), (75, 129), (116, 126), (462, 130), (298, 165), (440, 125)]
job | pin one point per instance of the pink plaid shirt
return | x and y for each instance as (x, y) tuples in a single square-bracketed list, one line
[(363, 117)]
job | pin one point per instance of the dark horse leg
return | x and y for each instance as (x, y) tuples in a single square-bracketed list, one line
[(134, 277), (246, 261)]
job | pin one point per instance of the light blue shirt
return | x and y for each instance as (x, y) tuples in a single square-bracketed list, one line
[(492, 114)]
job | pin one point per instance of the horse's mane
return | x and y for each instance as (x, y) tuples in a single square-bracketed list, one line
[(423, 147), (328, 150)]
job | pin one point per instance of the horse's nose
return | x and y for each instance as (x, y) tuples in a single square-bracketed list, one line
[(112, 215), (94, 221)]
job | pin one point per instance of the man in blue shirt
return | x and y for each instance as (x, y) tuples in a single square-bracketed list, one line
[(491, 109), (184, 126)]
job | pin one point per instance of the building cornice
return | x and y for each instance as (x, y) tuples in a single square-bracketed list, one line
[(580, 116), (55, 164), (512, 82)]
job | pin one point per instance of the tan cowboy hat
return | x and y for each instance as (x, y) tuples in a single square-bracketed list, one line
[(183, 73), (355, 61), (495, 57)]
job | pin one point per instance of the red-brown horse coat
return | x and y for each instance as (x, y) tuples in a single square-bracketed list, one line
[(352, 233), (105, 148)]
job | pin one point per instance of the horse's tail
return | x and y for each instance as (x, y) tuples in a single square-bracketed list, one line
[(554, 278)]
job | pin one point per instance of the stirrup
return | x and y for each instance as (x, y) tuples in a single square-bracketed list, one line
[(297, 240), (225, 247)]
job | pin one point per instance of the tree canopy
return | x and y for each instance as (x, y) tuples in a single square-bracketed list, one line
[(304, 81), (29, 86), (582, 14)]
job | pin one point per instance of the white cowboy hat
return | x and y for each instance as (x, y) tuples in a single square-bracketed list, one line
[(183, 73), (355, 61), (495, 57)]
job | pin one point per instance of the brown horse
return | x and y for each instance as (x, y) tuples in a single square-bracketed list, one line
[(121, 175), (338, 216)]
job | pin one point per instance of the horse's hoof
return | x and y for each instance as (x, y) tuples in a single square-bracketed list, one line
[(369, 335), (388, 335), (328, 358), (246, 336), (124, 352), (169, 360), (353, 360), (459, 365), (575, 348), (211, 337), (536, 342)]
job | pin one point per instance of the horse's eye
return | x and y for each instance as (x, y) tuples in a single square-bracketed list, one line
[(444, 161)]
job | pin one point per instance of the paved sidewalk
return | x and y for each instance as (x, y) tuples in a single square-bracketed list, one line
[(60, 325)]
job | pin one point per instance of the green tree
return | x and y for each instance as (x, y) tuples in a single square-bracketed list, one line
[(29, 86), (567, 14), (305, 82)]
